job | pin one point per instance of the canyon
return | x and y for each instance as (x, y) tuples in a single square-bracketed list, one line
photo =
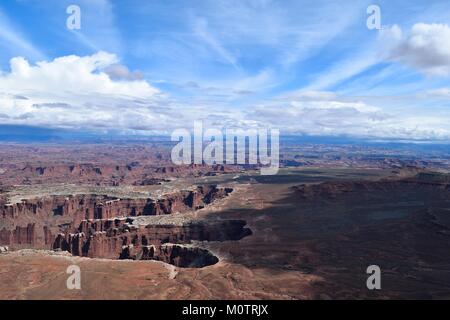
[(139, 228), (101, 226)]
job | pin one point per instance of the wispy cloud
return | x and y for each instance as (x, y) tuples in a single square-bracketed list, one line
[(201, 30), (303, 66), (343, 70), (15, 42), (99, 30)]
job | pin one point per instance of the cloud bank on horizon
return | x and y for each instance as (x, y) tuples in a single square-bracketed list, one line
[(304, 67)]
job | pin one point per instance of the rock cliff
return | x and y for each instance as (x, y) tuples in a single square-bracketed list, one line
[(38, 222)]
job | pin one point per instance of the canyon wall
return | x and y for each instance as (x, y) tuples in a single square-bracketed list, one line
[(121, 239), (133, 173), (38, 222)]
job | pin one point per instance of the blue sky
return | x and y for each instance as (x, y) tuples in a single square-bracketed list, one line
[(306, 67)]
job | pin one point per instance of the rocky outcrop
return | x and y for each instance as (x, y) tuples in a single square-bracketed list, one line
[(134, 173), (21, 236), (185, 257), (98, 226), (175, 254), (37, 222), (107, 238), (81, 207)]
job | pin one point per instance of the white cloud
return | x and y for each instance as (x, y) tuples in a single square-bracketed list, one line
[(73, 91), (73, 75), (95, 92), (326, 113), (440, 93), (76, 92), (426, 48), (320, 113)]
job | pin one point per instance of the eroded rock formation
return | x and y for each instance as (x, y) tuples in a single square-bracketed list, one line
[(175, 254), (113, 238), (36, 222), (103, 227)]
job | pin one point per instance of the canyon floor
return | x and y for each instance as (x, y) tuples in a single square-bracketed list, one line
[(314, 232)]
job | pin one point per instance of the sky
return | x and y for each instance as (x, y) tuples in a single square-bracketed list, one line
[(303, 67)]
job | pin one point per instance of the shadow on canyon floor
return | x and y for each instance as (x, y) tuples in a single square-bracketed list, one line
[(402, 228)]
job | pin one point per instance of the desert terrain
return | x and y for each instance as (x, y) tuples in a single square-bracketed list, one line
[(139, 228)]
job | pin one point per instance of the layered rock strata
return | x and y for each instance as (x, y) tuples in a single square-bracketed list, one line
[(103, 227)]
